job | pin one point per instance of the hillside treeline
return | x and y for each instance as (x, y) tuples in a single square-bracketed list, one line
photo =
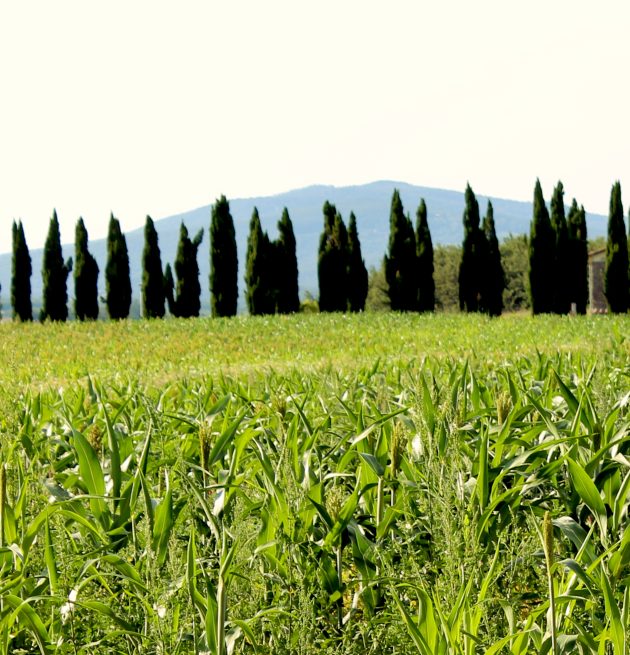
[(547, 272)]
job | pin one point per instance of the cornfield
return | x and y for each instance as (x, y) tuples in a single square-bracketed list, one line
[(432, 504)]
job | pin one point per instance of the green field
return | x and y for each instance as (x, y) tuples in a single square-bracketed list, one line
[(374, 483)]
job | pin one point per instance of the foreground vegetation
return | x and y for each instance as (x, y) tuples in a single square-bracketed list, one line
[(307, 484)]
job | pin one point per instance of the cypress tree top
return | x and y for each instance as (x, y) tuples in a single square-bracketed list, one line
[(288, 297)]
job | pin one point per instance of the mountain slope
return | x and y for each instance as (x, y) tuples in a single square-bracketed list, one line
[(370, 203)]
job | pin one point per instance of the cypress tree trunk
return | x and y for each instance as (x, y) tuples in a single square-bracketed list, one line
[(21, 276), (495, 276), (541, 256), (117, 276), (578, 257), (287, 280), (424, 256), (357, 273), (54, 276), (223, 260), (616, 271), (85, 277), (400, 261), (153, 293)]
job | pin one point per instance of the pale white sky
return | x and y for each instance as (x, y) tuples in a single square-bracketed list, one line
[(153, 107)]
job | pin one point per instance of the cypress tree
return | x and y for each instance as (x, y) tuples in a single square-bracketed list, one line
[(287, 280), (339, 264), (357, 273), (54, 276), (616, 271), (117, 276), (21, 276), (541, 256), (188, 290), (85, 277), (325, 258), (223, 260), (153, 293), (400, 262), (424, 257), (260, 282), (472, 274), (578, 257), (560, 280), (495, 276), (169, 290)]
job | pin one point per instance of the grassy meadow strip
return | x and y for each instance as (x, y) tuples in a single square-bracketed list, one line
[(157, 352), (372, 484)]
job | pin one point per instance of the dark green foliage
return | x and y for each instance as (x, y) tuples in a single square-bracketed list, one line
[(472, 274), (541, 256), (223, 260), (357, 273), (187, 302), (54, 276), (169, 289), (494, 284), (616, 272), (424, 255), (324, 261), (578, 258), (85, 277), (400, 261), (117, 276), (153, 293), (561, 268), (21, 276), (287, 280), (259, 274)]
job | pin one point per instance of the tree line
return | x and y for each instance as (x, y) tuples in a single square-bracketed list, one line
[(557, 265)]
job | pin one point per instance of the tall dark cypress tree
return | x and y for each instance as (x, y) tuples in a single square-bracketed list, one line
[(424, 257), (325, 257), (188, 290), (357, 273), (541, 256), (560, 280), (21, 276), (259, 276), (287, 279), (339, 264), (616, 271), (223, 260), (400, 261), (54, 276), (153, 294), (472, 274), (85, 277), (495, 277), (578, 257), (117, 276)]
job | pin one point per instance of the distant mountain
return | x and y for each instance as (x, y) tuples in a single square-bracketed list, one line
[(370, 203)]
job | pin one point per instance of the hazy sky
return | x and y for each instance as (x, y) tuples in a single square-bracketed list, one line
[(150, 107)]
